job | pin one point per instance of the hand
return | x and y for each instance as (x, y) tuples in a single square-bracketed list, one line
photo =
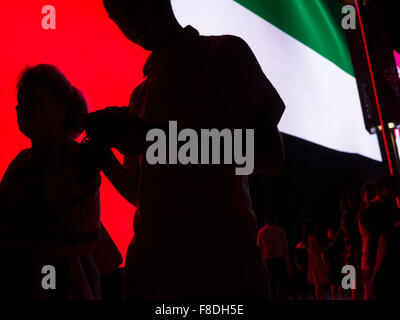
[(106, 125), (117, 128)]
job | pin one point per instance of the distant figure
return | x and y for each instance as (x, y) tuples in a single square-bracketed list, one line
[(273, 243), (316, 274), (380, 240), (195, 229), (349, 208), (300, 274), (333, 262), (49, 213), (368, 194)]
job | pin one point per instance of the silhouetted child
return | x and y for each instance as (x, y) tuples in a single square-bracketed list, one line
[(49, 208)]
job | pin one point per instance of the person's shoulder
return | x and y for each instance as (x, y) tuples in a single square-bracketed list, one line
[(227, 40), (22, 157), (137, 90), (263, 228), (24, 153), (19, 161), (227, 44)]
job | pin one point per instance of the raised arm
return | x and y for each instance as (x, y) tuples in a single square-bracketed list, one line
[(122, 178)]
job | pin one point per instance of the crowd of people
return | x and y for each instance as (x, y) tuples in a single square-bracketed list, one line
[(67, 230), (366, 238)]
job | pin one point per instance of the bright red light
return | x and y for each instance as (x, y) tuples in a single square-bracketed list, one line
[(94, 56)]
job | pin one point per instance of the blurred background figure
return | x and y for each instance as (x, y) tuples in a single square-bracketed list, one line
[(380, 261), (368, 194), (316, 274), (349, 207), (300, 274), (333, 262), (273, 243)]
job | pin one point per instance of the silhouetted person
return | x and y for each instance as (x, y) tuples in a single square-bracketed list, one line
[(273, 243), (333, 261), (316, 274), (368, 194), (380, 244), (195, 230), (301, 262), (349, 207), (48, 214)]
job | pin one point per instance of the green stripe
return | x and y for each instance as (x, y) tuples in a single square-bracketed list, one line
[(315, 23)]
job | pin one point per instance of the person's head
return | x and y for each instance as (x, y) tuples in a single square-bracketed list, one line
[(387, 187), (48, 106), (367, 193), (350, 200), (147, 23), (308, 228)]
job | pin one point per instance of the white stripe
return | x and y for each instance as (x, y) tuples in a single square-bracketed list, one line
[(321, 99)]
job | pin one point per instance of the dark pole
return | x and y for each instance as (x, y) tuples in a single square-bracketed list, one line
[(379, 59)]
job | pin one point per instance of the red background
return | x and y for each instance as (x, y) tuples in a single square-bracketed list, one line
[(95, 57)]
